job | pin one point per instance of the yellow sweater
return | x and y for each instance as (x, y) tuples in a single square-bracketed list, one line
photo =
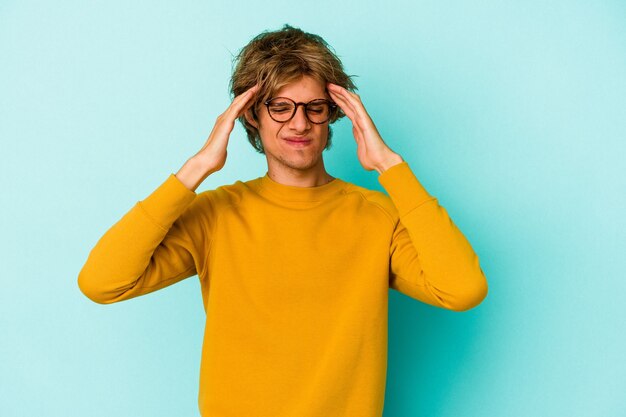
[(294, 281)]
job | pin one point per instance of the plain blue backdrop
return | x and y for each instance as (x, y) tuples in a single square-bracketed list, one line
[(513, 114)]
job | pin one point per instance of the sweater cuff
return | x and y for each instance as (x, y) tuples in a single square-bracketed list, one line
[(165, 204), (403, 187)]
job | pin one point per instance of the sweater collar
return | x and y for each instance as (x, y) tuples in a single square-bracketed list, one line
[(301, 194)]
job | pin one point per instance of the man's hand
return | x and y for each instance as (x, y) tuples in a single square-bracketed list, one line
[(372, 151), (212, 156), (213, 153)]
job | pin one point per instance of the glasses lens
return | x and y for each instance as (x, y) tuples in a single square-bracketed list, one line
[(318, 111), (280, 109)]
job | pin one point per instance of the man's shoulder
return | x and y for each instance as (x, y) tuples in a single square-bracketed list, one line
[(231, 193), (373, 197)]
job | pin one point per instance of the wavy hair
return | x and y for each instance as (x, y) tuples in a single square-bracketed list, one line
[(277, 58)]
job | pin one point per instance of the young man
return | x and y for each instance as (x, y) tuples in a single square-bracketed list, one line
[(294, 266)]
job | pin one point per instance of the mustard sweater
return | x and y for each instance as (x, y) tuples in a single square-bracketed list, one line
[(295, 283)]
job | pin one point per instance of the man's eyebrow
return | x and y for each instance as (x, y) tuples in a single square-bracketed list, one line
[(308, 101)]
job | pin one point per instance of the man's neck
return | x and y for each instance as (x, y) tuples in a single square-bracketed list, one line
[(300, 178)]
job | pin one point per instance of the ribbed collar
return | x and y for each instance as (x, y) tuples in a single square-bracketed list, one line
[(275, 190)]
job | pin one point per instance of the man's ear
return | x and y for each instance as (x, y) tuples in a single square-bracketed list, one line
[(250, 118)]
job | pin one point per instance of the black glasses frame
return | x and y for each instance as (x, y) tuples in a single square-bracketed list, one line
[(332, 106)]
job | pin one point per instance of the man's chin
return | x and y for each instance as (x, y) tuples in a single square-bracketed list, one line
[(300, 164)]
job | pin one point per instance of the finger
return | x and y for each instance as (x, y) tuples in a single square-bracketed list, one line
[(353, 94), (242, 102), (356, 128), (347, 101), (340, 89), (235, 110), (357, 120), (347, 108), (246, 95), (350, 112), (353, 99), (249, 102), (360, 118), (349, 97)]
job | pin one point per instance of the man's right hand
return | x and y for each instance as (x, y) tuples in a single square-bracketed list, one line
[(212, 156)]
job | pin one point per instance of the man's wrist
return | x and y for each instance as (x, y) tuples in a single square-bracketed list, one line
[(388, 162), (192, 173)]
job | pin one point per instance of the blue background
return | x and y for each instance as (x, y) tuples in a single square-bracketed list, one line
[(512, 113)]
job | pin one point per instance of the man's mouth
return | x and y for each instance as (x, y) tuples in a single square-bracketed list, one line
[(298, 142)]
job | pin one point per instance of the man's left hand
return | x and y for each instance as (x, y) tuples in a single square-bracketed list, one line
[(372, 151)]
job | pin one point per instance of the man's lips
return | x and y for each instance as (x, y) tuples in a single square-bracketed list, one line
[(298, 140)]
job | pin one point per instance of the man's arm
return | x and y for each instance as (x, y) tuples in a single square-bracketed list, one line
[(150, 247), (161, 240), (430, 259)]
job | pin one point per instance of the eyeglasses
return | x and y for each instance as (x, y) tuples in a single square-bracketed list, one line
[(282, 109)]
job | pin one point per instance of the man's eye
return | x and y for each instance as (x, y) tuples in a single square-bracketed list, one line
[(316, 110), (280, 109)]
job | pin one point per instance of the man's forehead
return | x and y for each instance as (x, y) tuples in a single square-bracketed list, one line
[(303, 89)]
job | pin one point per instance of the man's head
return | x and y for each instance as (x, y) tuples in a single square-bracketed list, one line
[(278, 60)]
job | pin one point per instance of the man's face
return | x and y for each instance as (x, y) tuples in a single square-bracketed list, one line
[(283, 154)]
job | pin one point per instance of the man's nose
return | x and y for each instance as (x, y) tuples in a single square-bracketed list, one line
[(299, 121)]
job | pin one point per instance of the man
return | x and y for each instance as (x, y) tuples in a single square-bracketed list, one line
[(295, 266)]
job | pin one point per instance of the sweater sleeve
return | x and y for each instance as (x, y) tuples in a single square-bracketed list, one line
[(430, 259), (149, 248)]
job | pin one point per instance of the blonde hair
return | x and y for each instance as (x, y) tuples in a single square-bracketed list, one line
[(275, 59)]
